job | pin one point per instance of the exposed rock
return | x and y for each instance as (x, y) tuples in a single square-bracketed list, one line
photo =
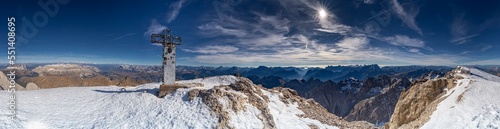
[(314, 110), (416, 104), (32, 86), (378, 109), (340, 98), (5, 83), (228, 98), (167, 89), (252, 95)]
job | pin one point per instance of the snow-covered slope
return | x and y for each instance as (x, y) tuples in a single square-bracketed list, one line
[(138, 107), (473, 103)]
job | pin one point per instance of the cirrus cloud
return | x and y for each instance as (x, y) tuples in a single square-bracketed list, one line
[(216, 49), (404, 41)]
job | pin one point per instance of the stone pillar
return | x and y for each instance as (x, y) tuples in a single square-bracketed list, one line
[(169, 64)]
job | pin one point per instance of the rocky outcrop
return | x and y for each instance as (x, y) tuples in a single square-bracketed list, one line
[(416, 104), (5, 83), (32, 86), (228, 99)]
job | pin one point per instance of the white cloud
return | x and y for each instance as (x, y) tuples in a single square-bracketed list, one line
[(123, 36), (353, 43), (299, 56), (154, 28), (414, 50), (479, 48), (175, 8), (267, 40), (404, 41), (369, 1), (408, 17), (338, 29), (485, 47), (214, 29), (214, 49)]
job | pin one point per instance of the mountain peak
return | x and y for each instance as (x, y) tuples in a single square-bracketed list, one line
[(465, 98)]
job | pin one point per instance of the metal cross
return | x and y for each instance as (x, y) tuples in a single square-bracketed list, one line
[(169, 43)]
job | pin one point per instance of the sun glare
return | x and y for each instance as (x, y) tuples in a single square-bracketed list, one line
[(322, 13)]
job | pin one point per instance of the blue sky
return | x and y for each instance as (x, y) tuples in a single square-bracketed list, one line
[(260, 32)]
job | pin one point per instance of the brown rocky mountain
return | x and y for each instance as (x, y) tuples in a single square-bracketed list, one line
[(66, 75), (416, 104)]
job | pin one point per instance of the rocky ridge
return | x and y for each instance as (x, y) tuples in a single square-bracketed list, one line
[(244, 95), (416, 104)]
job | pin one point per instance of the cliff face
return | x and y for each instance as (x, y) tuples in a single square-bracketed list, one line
[(372, 99), (378, 109), (340, 98), (416, 104)]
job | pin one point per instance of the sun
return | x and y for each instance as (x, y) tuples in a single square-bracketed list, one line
[(322, 13)]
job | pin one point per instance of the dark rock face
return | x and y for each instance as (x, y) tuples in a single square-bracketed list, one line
[(339, 98), (378, 109), (372, 99)]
